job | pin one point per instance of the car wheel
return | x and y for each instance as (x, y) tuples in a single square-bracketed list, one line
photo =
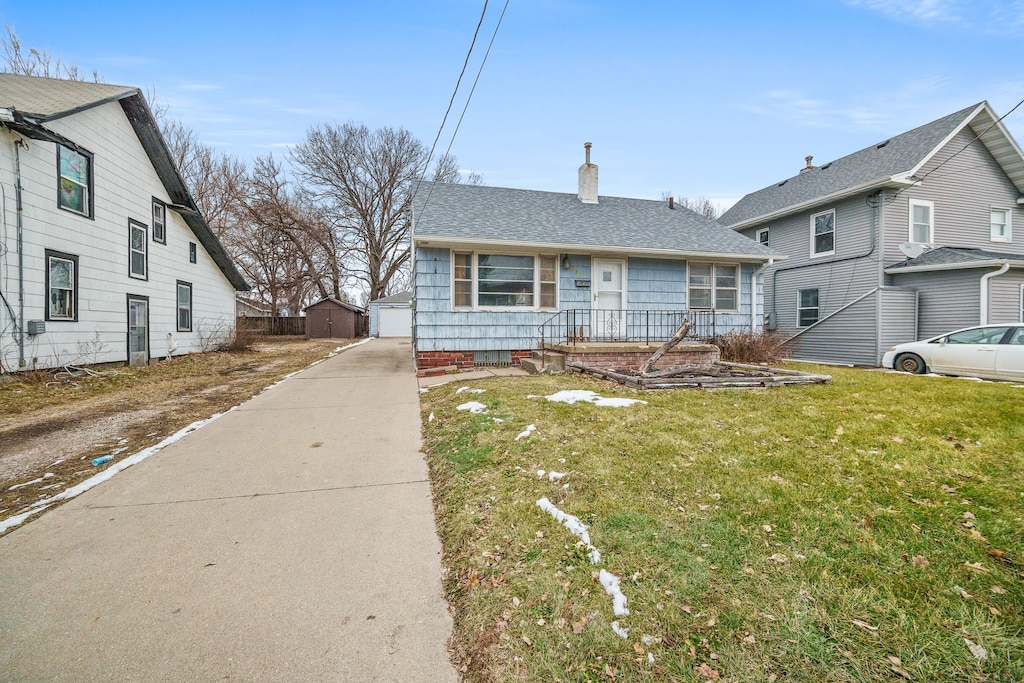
[(912, 363)]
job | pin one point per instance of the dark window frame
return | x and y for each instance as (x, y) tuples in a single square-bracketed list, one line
[(800, 308), (193, 251), (52, 253), (162, 238), (177, 305), (133, 224), (90, 213)]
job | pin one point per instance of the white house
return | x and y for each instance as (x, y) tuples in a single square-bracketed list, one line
[(104, 256)]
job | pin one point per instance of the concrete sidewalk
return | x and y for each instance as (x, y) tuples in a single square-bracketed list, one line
[(292, 539)]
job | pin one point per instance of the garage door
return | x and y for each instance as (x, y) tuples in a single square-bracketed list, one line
[(395, 322)]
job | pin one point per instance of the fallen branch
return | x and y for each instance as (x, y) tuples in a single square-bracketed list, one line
[(665, 348)]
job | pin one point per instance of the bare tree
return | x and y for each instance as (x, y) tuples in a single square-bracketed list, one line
[(35, 62), (702, 205), (362, 179)]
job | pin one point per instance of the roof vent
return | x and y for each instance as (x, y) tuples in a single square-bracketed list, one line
[(880, 145), (783, 182), (824, 166), (809, 166)]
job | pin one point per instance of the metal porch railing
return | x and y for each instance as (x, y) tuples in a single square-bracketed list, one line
[(579, 325)]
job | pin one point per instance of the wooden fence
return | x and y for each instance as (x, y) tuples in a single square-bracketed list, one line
[(295, 325)]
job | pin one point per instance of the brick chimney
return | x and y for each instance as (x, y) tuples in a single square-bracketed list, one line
[(588, 179), (810, 166)]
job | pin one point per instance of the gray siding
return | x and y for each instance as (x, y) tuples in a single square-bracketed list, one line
[(899, 317), (374, 318), (963, 191), (948, 299), (652, 284), (1005, 297), (846, 337)]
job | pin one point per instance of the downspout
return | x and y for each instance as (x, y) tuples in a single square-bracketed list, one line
[(753, 293), (984, 291), (21, 254)]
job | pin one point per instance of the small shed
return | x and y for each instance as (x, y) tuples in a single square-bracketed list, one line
[(391, 316), (330, 318)]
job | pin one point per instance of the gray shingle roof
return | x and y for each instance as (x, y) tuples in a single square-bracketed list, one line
[(874, 164), (496, 214), (948, 256), (400, 298), (51, 98), (38, 100)]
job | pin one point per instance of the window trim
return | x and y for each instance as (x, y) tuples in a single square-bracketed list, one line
[(133, 225), (814, 254), (767, 237), (1008, 237), (177, 305), (163, 223), (89, 213), (51, 253), (475, 281), (800, 307), (931, 220), (714, 286), (193, 251)]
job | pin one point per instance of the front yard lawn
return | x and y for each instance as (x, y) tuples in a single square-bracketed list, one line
[(871, 529)]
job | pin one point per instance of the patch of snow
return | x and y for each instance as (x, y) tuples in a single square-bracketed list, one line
[(540, 474), (572, 396), (12, 522), (611, 587), (57, 462), (620, 631), (498, 420), (423, 390), (555, 476), (34, 481), (430, 418), (468, 390), (526, 432), (474, 407), (573, 524), (650, 657)]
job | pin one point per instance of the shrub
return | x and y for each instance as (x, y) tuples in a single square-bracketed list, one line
[(242, 340), (750, 347)]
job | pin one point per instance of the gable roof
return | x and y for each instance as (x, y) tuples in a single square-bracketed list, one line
[(336, 302), (400, 298), (951, 258), (34, 101), (477, 214), (891, 162)]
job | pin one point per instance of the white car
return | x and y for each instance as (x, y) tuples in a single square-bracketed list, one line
[(986, 351)]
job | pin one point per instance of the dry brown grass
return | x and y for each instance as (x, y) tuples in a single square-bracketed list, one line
[(55, 422)]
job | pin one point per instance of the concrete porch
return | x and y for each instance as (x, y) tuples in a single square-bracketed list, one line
[(617, 355)]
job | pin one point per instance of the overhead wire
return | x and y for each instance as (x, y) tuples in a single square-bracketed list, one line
[(469, 98)]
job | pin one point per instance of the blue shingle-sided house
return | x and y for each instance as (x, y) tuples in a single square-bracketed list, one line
[(494, 268), (904, 240)]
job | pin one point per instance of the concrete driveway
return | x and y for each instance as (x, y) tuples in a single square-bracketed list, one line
[(292, 539)]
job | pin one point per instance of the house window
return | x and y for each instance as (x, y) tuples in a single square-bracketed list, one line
[(999, 225), (138, 252), (922, 219), (61, 286), (74, 191), (823, 233), (713, 286), (762, 236), (159, 221), (504, 281), (184, 306), (807, 307), (191, 252)]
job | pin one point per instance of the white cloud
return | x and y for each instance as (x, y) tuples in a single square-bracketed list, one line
[(989, 16)]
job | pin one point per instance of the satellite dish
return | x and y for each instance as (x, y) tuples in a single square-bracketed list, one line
[(912, 249)]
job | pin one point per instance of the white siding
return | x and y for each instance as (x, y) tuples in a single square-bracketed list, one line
[(124, 183)]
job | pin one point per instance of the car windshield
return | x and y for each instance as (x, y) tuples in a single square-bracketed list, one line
[(978, 335)]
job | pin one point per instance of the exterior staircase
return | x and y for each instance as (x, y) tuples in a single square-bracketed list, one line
[(546, 362)]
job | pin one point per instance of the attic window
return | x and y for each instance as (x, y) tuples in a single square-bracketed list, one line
[(880, 145)]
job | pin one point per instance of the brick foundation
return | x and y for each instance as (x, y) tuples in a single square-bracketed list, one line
[(460, 360)]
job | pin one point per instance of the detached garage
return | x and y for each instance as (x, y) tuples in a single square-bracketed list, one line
[(330, 318), (391, 316)]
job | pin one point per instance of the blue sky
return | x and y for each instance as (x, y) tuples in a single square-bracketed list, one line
[(714, 99)]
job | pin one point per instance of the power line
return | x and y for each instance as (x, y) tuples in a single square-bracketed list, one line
[(962, 149), (470, 97), (458, 82)]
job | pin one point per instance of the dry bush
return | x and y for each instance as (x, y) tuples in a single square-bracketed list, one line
[(750, 347), (242, 340)]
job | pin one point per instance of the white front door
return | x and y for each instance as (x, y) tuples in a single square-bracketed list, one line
[(608, 309)]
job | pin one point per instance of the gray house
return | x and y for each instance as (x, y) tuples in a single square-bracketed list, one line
[(494, 268), (903, 240)]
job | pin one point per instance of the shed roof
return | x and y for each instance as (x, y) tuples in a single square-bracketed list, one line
[(35, 100), (400, 298), (946, 258), (503, 216), (335, 302), (888, 162)]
